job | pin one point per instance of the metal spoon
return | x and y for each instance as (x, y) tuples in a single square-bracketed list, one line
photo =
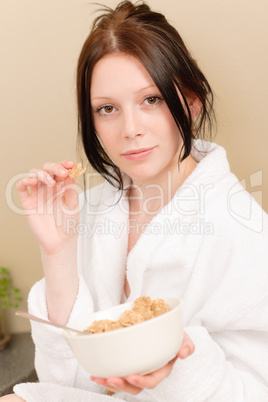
[(34, 318)]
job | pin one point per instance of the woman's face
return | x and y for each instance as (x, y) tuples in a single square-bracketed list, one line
[(132, 120)]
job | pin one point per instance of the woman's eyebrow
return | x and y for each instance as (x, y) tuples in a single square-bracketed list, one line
[(101, 97), (136, 92), (145, 88)]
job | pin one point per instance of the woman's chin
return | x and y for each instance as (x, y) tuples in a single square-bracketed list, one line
[(141, 179)]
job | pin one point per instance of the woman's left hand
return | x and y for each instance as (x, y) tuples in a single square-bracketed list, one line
[(134, 384)]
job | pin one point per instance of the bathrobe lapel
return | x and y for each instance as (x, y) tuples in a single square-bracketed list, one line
[(109, 245), (111, 262)]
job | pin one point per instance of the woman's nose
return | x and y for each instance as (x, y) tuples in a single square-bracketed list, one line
[(132, 124)]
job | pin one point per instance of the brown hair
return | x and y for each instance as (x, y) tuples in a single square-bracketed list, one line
[(136, 30)]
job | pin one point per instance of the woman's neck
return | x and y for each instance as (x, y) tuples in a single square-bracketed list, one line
[(150, 197)]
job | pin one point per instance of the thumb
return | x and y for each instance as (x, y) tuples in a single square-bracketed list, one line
[(70, 196), (187, 347)]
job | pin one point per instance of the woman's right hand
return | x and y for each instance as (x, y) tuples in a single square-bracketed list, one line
[(51, 205)]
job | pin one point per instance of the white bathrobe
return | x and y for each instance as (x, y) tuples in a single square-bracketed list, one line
[(208, 246)]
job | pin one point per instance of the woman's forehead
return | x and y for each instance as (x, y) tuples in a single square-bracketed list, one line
[(119, 71)]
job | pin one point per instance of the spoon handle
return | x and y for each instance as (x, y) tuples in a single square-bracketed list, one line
[(34, 318)]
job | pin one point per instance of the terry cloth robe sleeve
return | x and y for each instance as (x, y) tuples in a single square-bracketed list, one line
[(48, 392), (54, 360)]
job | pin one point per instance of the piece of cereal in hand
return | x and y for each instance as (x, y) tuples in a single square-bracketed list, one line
[(77, 171)]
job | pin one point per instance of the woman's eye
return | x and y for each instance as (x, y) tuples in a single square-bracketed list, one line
[(108, 109), (105, 110), (152, 100)]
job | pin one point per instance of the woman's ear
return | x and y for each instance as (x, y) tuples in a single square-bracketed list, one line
[(194, 104)]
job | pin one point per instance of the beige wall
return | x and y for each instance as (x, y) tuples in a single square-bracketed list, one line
[(40, 43)]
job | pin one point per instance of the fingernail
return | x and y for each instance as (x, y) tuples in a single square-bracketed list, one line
[(69, 163), (113, 385), (62, 171), (132, 381), (50, 179), (186, 352)]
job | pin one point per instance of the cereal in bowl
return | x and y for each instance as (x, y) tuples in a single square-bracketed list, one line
[(103, 326), (143, 309)]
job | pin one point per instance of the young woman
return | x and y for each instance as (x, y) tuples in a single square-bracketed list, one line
[(166, 221)]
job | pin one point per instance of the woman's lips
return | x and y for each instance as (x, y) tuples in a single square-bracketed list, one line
[(138, 154)]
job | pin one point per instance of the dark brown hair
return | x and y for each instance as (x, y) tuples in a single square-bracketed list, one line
[(136, 30)]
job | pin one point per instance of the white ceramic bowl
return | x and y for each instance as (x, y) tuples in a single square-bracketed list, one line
[(141, 348)]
